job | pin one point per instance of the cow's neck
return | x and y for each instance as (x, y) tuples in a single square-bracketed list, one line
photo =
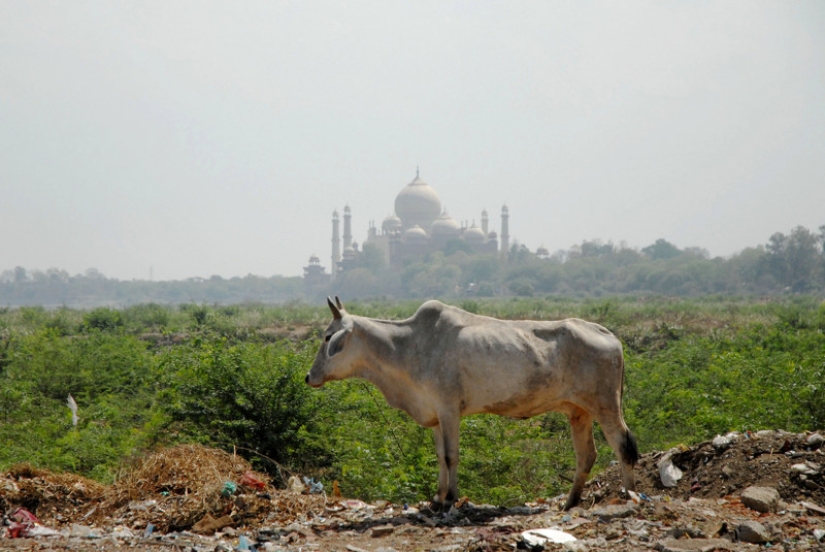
[(385, 364), (385, 344)]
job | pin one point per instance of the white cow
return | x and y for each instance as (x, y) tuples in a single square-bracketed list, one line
[(444, 363)]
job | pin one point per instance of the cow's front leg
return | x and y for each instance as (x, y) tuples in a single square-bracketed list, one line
[(581, 424), (446, 449)]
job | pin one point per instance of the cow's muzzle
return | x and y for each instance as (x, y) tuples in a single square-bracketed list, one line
[(312, 383)]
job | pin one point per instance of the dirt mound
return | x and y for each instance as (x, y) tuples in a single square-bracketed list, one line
[(176, 487), (172, 489), (56, 497), (737, 461), (197, 498)]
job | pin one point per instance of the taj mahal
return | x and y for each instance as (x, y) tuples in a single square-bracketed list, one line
[(419, 226)]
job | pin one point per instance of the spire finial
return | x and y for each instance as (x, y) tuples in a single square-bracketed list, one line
[(416, 171)]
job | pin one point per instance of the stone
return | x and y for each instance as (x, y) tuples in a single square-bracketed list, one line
[(81, 531), (813, 508), (297, 528), (615, 511), (806, 468), (382, 531), (753, 532), (815, 441), (723, 442), (761, 499), (680, 530), (694, 545)]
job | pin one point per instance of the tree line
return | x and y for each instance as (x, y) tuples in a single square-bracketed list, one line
[(787, 263), (55, 288), (792, 263)]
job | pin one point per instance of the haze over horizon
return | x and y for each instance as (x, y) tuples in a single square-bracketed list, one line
[(152, 136)]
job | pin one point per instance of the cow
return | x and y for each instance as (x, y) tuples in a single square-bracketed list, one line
[(444, 363)]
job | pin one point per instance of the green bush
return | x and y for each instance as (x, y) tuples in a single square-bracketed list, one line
[(249, 396), (111, 380), (103, 319)]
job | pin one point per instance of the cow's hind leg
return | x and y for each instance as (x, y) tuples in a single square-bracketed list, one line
[(446, 449), (582, 425), (623, 443)]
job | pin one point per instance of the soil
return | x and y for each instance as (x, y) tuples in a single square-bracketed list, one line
[(177, 499)]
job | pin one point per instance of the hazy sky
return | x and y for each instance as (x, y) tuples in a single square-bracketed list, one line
[(201, 138)]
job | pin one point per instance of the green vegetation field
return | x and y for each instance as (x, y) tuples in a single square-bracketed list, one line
[(150, 376)]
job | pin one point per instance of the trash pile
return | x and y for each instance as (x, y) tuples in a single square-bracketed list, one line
[(740, 491), (789, 462)]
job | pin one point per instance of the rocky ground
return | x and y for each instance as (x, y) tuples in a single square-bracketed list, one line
[(738, 492)]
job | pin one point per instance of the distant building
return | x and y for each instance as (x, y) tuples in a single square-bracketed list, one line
[(418, 226), (315, 276)]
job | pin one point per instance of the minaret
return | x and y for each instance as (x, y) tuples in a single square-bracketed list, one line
[(484, 225), (505, 231), (347, 227), (336, 245)]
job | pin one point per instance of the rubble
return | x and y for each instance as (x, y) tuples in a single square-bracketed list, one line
[(761, 499), (752, 532), (757, 490)]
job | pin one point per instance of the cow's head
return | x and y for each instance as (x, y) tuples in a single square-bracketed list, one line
[(333, 361)]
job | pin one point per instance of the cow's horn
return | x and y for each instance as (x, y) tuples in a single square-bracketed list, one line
[(336, 314)]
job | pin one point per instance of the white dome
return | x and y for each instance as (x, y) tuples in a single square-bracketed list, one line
[(417, 203), (445, 225), (391, 224), (416, 234), (474, 234)]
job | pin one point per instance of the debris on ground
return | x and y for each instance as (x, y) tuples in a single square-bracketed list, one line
[(740, 491)]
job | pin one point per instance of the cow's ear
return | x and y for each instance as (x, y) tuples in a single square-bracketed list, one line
[(336, 314), (339, 304), (336, 343)]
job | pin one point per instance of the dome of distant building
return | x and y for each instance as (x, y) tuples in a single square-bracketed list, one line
[(417, 227), (416, 234), (391, 224), (417, 204), (474, 234), (445, 225)]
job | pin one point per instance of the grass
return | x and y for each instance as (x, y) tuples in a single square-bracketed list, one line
[(154, 375)]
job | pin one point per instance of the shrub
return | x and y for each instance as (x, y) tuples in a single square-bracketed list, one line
[(245, 395), (103, 319)]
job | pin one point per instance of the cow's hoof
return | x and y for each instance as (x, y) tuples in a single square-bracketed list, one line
[(437, 506), (571, 503)]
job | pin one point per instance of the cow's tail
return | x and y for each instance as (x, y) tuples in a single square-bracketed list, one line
[(630, 448)]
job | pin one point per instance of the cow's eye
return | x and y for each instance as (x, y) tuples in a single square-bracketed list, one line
[(326, 339)]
